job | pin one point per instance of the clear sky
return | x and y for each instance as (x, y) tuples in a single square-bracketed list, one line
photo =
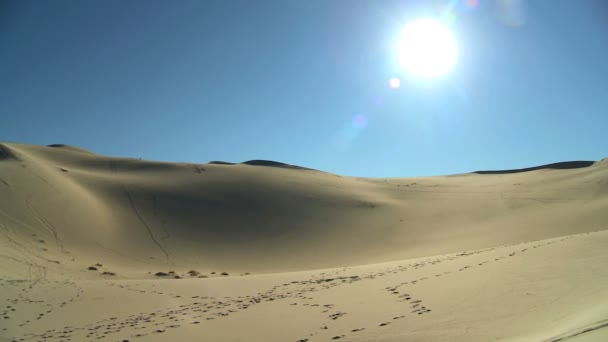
[(307, 82)]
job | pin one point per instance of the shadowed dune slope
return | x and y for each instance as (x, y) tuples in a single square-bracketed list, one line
[(259, 162), (219, 162), (553, 166), (271, 163), (70, 148), (62, 210)]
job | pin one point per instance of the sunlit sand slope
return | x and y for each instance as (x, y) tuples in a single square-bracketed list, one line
[(547, 290)]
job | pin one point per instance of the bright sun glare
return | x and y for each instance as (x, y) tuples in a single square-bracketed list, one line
[(427, 48)]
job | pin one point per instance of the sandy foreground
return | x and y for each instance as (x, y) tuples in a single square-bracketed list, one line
[(116, 249)]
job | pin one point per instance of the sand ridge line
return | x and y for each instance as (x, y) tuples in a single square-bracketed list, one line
[(143, 222), (48, 226), (580, 331)]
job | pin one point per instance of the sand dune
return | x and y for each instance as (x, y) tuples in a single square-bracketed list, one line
[(306, 255)]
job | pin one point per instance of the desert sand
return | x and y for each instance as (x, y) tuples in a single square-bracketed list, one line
[(117, 249)]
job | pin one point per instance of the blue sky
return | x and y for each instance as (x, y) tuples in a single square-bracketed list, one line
[(306, 83)]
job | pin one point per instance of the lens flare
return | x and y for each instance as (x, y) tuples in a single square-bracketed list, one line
[(343, 140), (449, 18), (511, 12), (394, 83), (472, 3), (360, 121), (379, 101)]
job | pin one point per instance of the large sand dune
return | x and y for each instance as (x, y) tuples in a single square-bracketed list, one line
[(517, 255)]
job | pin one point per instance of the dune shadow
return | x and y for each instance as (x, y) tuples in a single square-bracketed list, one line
[(271, 163), (70, 148), (555, 166), (6, 153), (260, 162), (218, 162)]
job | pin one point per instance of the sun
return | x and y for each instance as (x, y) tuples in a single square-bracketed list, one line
[(427, 48)]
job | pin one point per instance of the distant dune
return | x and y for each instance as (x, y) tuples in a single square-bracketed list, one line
[(70, 148), (221, 162), (554, 166), (269, 163), (275, 164), (95, 247)]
